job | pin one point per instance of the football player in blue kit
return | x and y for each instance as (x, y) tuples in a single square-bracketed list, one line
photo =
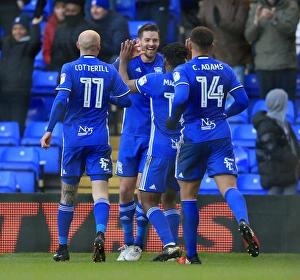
[(134, 143), (158, 173), (87, 86), (201, 88)]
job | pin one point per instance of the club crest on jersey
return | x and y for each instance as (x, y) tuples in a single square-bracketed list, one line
[(142, 80), (62, 78), (83, 131), (176, 76), (158, 70)]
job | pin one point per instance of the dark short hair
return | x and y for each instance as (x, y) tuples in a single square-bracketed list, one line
[(147, 27), (175, 53), (202, 37)]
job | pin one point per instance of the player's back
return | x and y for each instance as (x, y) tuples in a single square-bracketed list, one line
[(90, 82), (210, 81), (160, 88)]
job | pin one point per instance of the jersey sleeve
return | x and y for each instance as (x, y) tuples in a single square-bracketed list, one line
[(119, 88), (65, 78), (146, 85)]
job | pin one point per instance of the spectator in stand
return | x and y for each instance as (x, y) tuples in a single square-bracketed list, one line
[(227, 20), (9, 10), (112, 27), (16, 66), (158, 11), (66, 35), (53, 22), (277, 148), (271, 28)]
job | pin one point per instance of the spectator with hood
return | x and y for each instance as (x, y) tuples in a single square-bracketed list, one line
[(277, 148)]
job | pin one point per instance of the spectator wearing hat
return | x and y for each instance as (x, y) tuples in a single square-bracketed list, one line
[(65, 36), (54, 20), (9, 10), (112, 27), (16, 66)]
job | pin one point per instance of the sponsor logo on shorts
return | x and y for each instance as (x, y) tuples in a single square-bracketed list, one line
[(229, 163), (104, 163), (119, 167)]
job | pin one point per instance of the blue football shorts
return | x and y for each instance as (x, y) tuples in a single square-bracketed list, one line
[(158, 175), (94, 160), (194, 159), (132, 155)]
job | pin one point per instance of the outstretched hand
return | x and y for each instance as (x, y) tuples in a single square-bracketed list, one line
[(130, 50)]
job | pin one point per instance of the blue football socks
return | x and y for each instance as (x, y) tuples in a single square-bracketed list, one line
[(190, 224), (142, 222), (126, 217), (173, 218), (64, 220), (159, 222), (101, 213), (237, 204)]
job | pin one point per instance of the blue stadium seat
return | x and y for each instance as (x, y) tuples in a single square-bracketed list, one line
[(25, 162), (241, 159), (244, 136), (261, 105), (51, 157), (37, 110), (249, 184), (251, 85), (242, 117), (39, 61), (134, 26), (9, 134), (298, 80), (29, 8), (296, 128), (253, 165), (127, 8), (44, 82), (8, 183), (208, 186)]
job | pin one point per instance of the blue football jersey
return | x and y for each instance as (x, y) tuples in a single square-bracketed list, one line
[(209, 82), (136, 119), (90, 83), (160, 89)]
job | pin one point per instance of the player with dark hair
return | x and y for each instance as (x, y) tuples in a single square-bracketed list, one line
[(201, 88), (134, 143), (158, 173), (83, 98)]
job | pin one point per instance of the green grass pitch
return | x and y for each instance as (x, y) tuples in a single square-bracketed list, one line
[(219, 266)]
